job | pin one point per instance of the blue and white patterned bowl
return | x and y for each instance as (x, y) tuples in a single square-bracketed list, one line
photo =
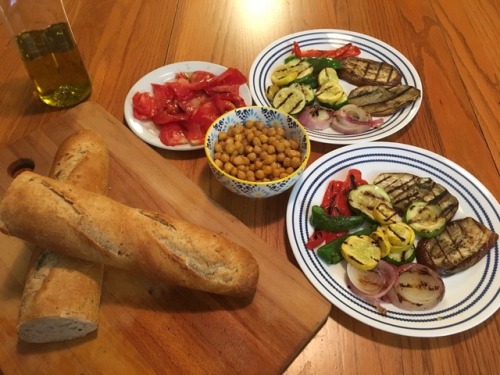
[(269, 116)]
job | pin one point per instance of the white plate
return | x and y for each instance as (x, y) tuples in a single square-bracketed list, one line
[(471, 296), (371, 48), (148, 131)]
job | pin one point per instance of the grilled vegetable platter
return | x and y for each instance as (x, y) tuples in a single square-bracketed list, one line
[(399, 238), (344, 87)]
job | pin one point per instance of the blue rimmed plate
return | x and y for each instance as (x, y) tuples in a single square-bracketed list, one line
[(471, 296), (371, 48)]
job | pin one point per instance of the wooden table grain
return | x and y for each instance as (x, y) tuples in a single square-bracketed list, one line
[(453, 44)]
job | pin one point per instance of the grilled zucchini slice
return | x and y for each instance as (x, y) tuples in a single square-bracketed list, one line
[(271, 91), (361, 251), (327, 74), (425, 219), (329, 93), (307, 90), (289, 100), (398, 259), (365, 198)]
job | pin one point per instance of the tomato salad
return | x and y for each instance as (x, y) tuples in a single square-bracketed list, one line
[(185, 107)]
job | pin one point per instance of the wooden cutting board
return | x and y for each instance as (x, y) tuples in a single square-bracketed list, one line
[(148, 328)]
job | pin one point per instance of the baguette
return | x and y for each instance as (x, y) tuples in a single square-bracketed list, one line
[(94, 227), (61, 296)]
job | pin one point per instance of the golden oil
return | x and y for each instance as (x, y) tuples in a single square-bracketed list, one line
[(53, 62)]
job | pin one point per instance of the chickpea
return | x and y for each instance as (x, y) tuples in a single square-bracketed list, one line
[(224, 158), (267, 170), (229, 148), (280, 147), (287, 162), (238, 160), (269, 159), (241, 175), (276, 172), (259, 174), (295, 162), (250, 137), (228, 167), (219, 163)]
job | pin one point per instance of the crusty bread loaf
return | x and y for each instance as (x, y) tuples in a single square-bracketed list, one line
[(91, 226), (61, 296)]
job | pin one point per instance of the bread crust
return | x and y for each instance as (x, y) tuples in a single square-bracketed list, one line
[(97, 228), (61, 296)]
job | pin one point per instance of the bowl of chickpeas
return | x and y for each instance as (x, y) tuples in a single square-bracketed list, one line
[(257, 152)]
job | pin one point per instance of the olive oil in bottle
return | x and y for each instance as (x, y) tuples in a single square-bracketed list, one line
[(53, 62)]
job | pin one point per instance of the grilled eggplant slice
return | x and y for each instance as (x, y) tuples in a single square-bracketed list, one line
[(383, 101), (405, 188), (463, 243), (361, 72)]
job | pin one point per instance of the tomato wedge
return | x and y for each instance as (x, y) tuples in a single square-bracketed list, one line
[(143, 105), (172, 134)]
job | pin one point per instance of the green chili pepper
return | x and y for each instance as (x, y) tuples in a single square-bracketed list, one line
[(330, 252), (321, 220)]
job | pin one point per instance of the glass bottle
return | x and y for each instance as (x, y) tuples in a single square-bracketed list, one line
[(43, 36)]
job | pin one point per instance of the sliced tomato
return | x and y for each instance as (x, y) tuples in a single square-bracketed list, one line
[(231, 76), (164, 117), (235, 99), (205, 115), (201, 79), (182, 89), (172, 134), (223, 89), (194, 132), (181, 76), (143, 105), (222, 104)]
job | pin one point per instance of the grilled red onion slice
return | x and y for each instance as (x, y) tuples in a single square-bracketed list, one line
[(372, 285), (351, 119), (316, 117), (418, 288)]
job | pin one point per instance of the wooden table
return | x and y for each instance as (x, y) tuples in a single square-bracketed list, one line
[(451, 43)]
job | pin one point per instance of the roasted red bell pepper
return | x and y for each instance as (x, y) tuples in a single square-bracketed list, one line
[(336, 203), (348, 50), (352, 181)]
